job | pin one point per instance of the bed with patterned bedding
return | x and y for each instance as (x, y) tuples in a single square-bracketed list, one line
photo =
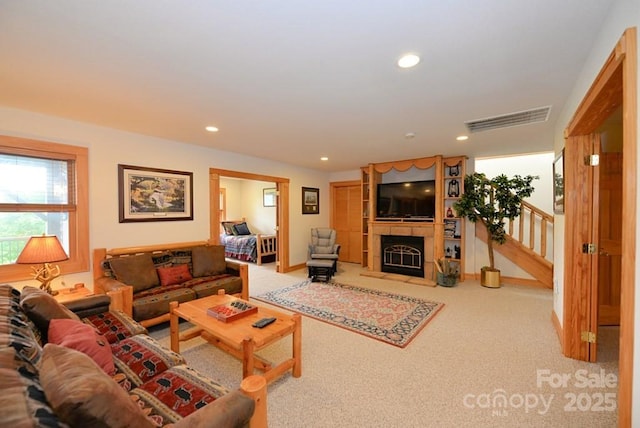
[(240, 244)]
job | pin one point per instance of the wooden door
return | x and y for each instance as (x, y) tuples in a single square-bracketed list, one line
[(581, 268), (346, 220), (610, 245)]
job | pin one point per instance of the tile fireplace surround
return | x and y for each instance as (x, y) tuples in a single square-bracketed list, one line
[(424, 230)]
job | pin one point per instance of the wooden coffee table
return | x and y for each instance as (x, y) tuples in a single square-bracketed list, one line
[(238, 337)]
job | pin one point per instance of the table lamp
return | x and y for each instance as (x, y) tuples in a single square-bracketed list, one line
[(43, 249)]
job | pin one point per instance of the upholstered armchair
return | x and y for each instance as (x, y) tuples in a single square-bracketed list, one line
[(323, 246)]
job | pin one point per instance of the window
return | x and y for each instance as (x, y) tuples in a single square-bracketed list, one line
[(43, 189)]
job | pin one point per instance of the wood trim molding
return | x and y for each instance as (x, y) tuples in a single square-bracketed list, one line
[(421, 163), (555, 321), (512, 280), (628, 45), (282, 216), (617, 83)]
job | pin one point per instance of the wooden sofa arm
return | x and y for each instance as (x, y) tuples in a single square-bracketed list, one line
[(120, 293), (255, 386), (243, 272)]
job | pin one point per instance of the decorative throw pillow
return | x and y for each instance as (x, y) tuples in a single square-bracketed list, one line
[(137, 271), (84, 338), (41, 308), (174, 274), (208, 260), (228, 227), (82, 395), (241, 229)]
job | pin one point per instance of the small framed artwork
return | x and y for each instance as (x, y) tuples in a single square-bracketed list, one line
[(558, 184), (310, 200), (152, 194), (269, 197)]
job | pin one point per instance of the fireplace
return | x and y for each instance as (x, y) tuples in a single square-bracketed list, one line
[(402, 254)]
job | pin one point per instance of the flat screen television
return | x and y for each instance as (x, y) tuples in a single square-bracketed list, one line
[(413, 199)]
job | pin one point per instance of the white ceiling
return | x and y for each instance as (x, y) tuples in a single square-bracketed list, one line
[(294, 80)]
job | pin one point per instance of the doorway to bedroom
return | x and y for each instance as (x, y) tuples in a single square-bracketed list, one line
[(274, 193)]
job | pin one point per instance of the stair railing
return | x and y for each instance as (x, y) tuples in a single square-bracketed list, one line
[(533, 229)]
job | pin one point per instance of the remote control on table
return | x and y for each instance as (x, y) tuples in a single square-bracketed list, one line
[(263, 322)]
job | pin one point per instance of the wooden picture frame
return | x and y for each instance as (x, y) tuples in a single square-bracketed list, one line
[(310, 200), (558, 184), (153, 194), (269, 197)]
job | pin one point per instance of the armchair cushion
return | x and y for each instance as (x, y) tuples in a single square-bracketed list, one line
[(323, 243), (316, 249)]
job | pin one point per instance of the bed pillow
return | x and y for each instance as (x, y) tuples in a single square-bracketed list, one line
[(228, 227), (174, 275), (208, 260), (241, 229)]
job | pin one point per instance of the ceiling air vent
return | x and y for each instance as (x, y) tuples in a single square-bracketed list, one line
[(540, 114)]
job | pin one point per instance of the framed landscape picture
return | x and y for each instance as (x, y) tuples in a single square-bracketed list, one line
[(152, 194), (310, 200)]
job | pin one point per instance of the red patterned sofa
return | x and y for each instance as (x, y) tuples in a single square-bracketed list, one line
[(142, 281), (59, 370)]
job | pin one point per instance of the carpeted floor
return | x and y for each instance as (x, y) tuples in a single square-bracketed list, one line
[(389, 317), (487, 344)]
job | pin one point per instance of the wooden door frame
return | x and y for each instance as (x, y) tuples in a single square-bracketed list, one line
[(615, 84), (282, 210)]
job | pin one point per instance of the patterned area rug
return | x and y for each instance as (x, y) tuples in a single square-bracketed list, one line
[(391, 318)]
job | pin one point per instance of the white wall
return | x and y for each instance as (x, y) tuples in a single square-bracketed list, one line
[(536, 164), (109, 147), (624, 14)]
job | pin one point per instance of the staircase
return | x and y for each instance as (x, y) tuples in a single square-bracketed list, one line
[(526, 244)]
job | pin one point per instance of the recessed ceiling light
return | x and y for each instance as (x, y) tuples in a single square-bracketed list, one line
[(211, 129), (408, 61), (462, 137), (324, 158), (410, 135)]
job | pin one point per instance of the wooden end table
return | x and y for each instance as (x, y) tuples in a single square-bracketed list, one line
[(79, 291), (238, 337)]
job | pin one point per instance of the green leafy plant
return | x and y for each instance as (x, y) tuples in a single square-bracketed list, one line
[(491, 202)]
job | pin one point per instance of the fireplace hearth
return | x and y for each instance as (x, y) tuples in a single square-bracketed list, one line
[(402, 255)]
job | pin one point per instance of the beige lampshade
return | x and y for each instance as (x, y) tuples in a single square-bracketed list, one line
[(42, 249)]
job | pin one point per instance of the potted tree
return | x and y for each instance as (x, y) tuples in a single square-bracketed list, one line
[(491, 202)]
